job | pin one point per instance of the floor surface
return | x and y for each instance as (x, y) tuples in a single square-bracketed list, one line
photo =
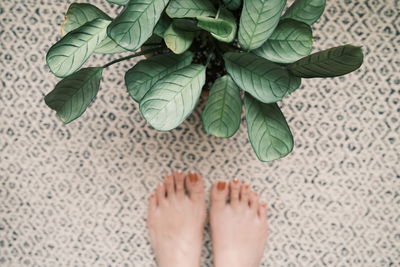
[(76, 195)]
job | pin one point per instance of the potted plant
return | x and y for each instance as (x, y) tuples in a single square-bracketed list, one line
[(224, 46)]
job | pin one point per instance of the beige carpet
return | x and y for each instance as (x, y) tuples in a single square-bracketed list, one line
[(76, 195)]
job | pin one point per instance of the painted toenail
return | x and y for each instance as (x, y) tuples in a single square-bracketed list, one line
[(221, 186), (192, 177), (235, 181), (246, 187)]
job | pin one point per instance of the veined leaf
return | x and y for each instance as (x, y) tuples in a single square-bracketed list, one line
[(79, 14), (290, 41), (222, 28), (109, 46), (73, 94), (221, 116), (171, 100), (71, 52), (146, 73), (332, 62), (263, 79), (162, 25), (190, 8), (258, 20), (307, 11), (178, 40), (119, 2), (267, 128), (135, 24), (232, 4)]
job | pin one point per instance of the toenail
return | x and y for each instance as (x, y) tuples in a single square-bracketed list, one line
[(192, 177), (221, 186), (235, 181), (246, 187)]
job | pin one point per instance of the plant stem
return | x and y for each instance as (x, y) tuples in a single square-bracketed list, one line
[(134, 55), (209, 59)]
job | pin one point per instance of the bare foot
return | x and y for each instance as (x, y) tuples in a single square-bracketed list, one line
[(238, 225), (176, 218)]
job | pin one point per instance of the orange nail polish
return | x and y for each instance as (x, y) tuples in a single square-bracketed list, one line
[(193, 177), (235, 181), (221, 186), (246, 187)]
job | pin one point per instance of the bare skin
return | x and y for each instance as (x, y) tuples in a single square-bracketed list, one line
[(238, 225), (176, 218), (177, 214)]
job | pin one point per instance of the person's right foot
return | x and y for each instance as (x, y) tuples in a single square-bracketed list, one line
[(238, 225)]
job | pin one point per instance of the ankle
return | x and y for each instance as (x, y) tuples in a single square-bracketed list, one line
[(181, 263), (232, 260), (180, 260)]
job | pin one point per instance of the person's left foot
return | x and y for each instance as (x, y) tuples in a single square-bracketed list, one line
[(176, 218)]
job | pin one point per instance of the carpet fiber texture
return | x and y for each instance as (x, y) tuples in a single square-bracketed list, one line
[(76, 195)]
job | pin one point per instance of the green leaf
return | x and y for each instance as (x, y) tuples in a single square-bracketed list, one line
[(263, 79), (135, 24), (171, 100), (190, 8), (232, 4), (222, 28), (146, 73), (108, 46), (333, 62), (189, 25), (258, 20), (307, 11), (268, 130), (118, 2), (153, 42), (290, 41), (222, 114), (73, 94), (79, 14), (178, 40), (72, 51), (162, 25)]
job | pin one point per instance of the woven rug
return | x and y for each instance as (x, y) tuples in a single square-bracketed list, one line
[(76, 195)]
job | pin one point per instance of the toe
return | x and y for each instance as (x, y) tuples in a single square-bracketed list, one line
[(262, 211), (152, 209), (254, 201), (219, 195), (160, 194), (234, 192), (169, 185), (152, 202), (179, 180), (195, 186), (244, 194)]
